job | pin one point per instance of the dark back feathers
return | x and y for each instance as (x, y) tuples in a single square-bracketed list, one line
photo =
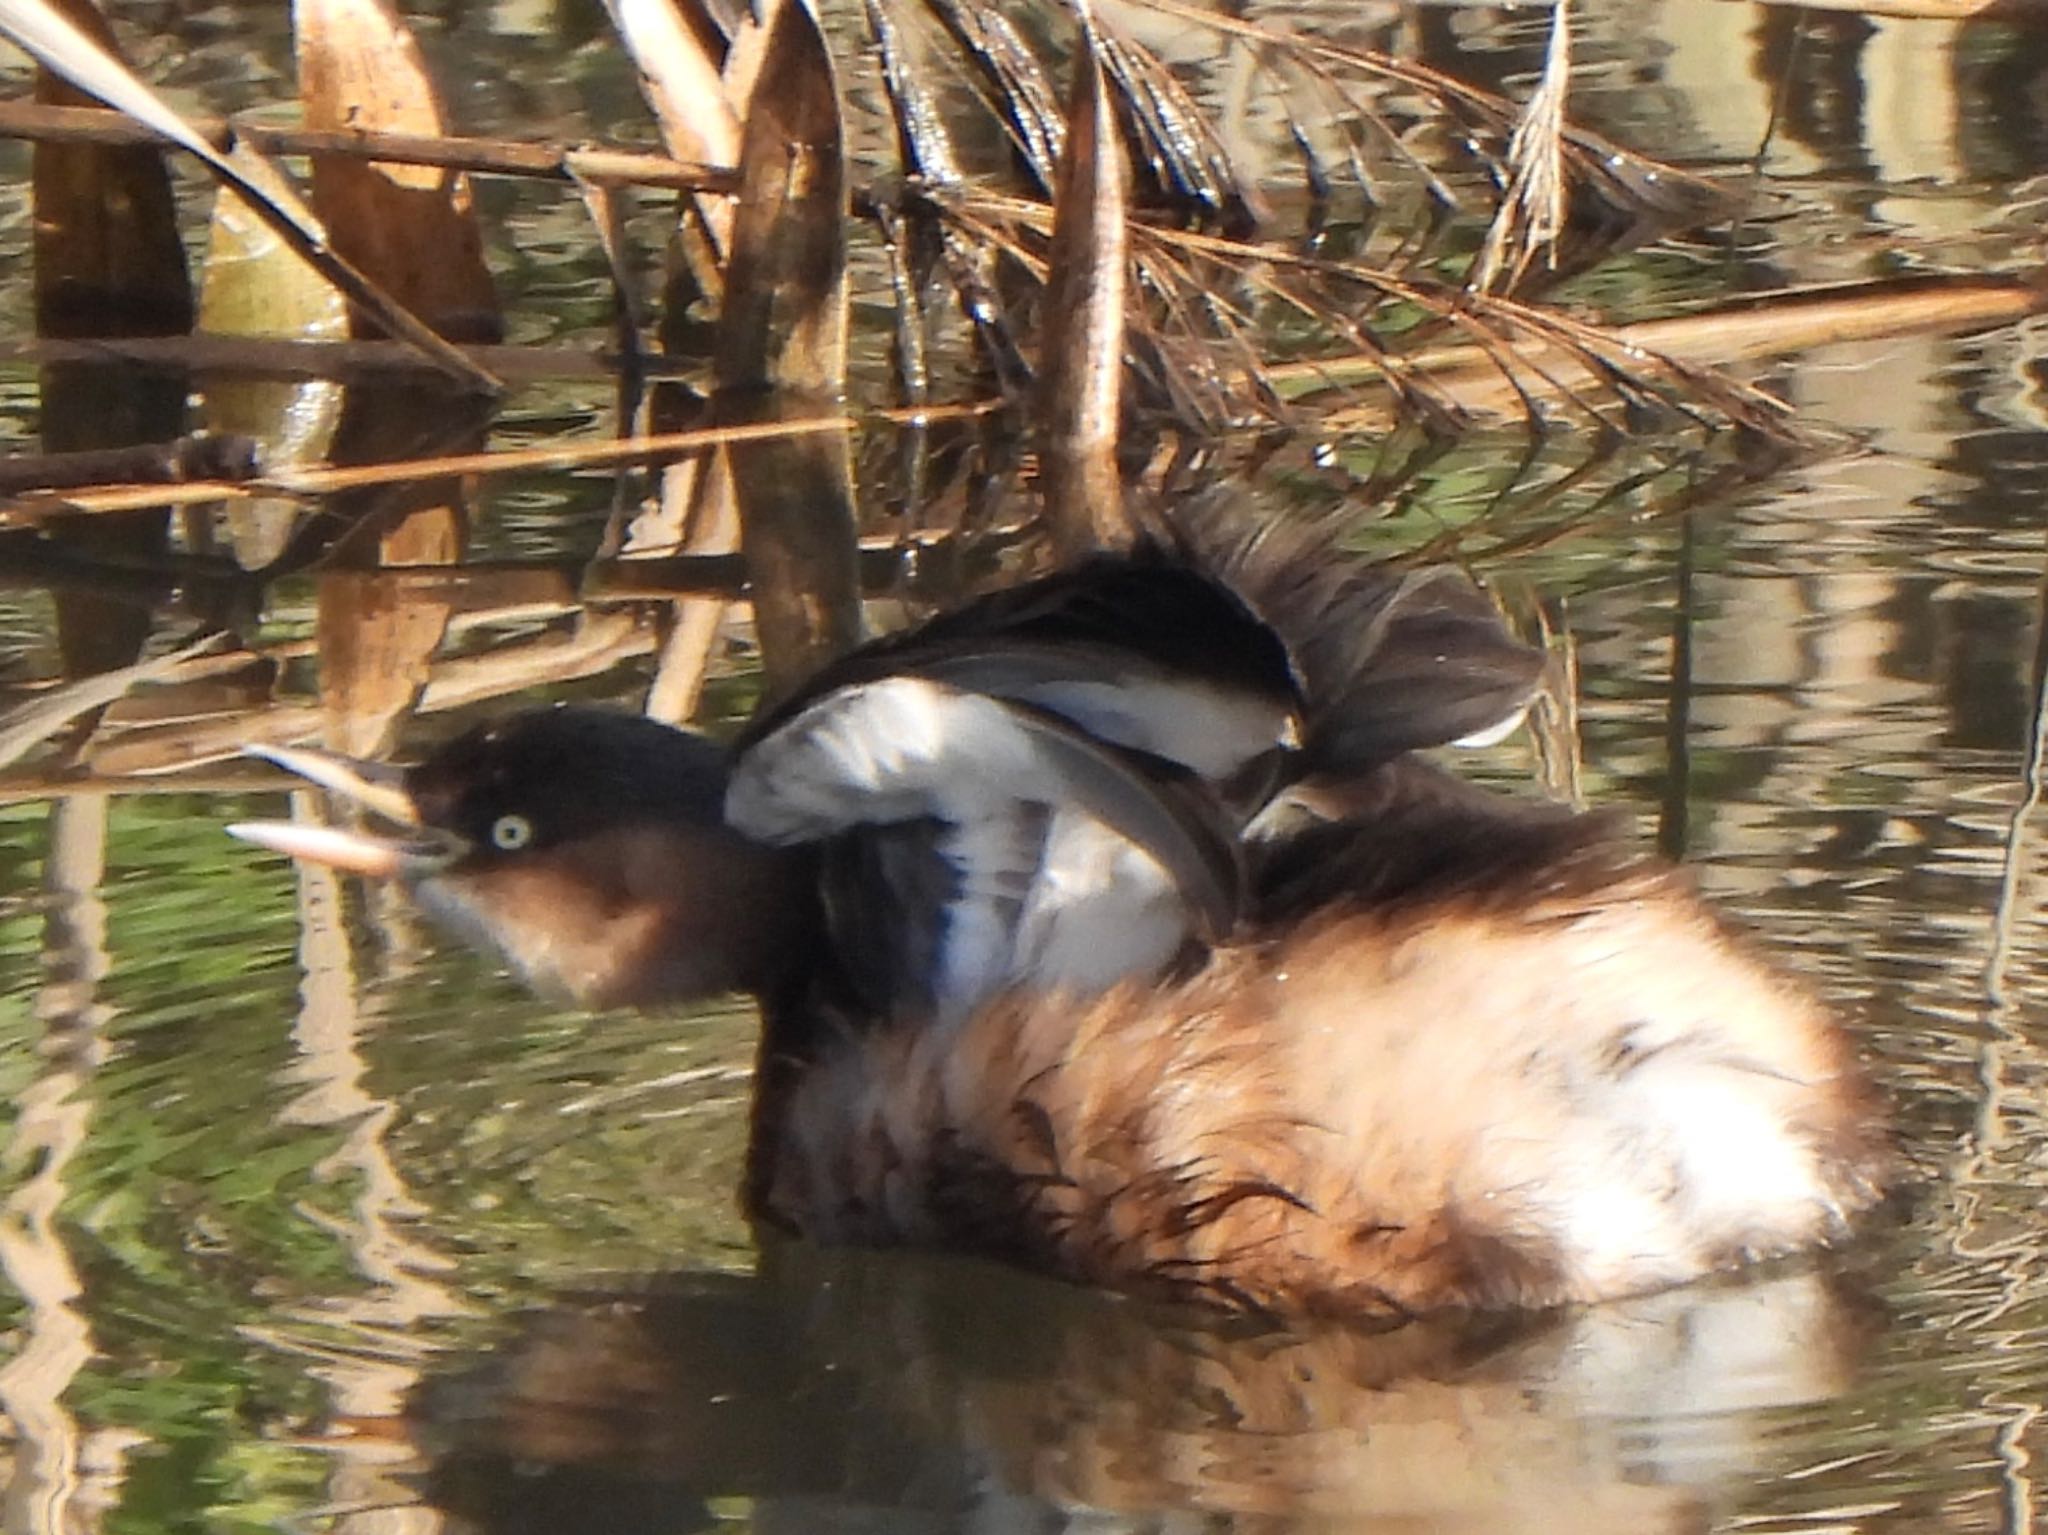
[(1390, 659), (1150, 604)]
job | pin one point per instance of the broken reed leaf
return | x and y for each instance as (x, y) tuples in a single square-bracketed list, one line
[(414, 229), (784, 320), (1633, 184), (924, 142), (1531, 214), (1342, 295), (53, 41), (1752, 328), (680, 50), (782, 342), (1011, 80), (107, 259), (1080, 375), (1523, 355), (411, 228), (1176, 142)]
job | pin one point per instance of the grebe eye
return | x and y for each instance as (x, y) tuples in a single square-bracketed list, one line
[(510, 833)]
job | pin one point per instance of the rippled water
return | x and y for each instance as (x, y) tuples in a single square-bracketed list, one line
[(313, 1222)]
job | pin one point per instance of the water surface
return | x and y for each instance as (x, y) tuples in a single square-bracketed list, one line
[(315, 1223)]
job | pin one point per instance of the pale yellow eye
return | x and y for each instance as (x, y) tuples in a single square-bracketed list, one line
[(510, 833)]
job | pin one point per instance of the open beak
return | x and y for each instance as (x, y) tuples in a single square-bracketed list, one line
[(413, 852)]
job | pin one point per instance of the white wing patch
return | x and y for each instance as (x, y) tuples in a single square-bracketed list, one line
[(1073, 870), (1101, 910), (883, 751)]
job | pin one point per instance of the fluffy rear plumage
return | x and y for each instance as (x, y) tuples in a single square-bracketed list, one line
[(1406, 1104)]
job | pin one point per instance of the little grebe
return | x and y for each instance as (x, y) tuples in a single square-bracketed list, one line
[(1109, 925)]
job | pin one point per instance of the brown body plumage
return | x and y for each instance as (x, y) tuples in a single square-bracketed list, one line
[(1539, 1072)]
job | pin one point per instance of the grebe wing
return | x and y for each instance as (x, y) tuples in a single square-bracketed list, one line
[(1135, 649), (976, 844)]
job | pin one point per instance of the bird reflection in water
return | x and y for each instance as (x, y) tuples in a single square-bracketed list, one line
[(846, 1390)]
